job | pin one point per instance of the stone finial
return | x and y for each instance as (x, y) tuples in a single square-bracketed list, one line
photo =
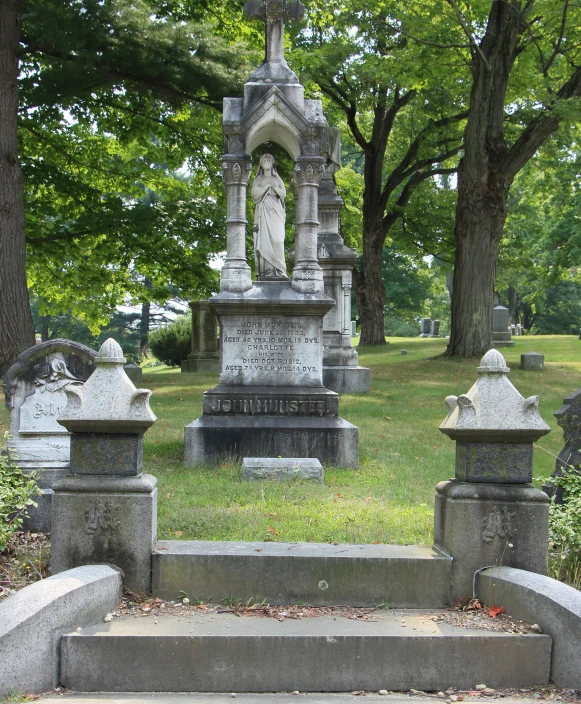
[(109, 401), (493, 410)]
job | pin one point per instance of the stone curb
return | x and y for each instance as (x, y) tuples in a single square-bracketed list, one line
[(554, 606), (33, 620)]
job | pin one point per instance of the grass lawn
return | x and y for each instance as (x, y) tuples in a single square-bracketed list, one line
[(402, 453)]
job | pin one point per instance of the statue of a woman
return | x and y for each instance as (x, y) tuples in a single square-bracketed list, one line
[(268, 192)]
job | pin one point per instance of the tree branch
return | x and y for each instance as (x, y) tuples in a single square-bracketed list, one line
[(539, 129), (468, 33)]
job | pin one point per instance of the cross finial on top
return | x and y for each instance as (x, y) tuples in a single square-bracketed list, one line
[(273, 13)]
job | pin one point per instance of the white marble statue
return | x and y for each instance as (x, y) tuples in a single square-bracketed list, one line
[(268, 192)]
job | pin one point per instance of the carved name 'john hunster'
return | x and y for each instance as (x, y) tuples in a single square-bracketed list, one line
[(254, 406)]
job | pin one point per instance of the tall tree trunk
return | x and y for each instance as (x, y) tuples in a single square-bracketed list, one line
[(144, 327), (479, 221), (16, 326)]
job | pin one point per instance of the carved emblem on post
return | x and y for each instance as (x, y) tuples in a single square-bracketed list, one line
[(498, 524), (309, 172), (101, 517)]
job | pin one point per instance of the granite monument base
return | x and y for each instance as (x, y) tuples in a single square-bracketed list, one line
[(484, 525), (105, 520), (502, 339), (330, 439), (209, 366), (347, 380)]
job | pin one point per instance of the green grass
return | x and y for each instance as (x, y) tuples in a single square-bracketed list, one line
[(402, 453)]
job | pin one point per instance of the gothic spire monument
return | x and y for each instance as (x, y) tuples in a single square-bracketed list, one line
[(270, 400)]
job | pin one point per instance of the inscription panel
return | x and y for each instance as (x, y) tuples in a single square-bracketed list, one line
[(271, 350)]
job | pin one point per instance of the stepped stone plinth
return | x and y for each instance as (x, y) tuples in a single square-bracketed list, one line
[(490, 514), (105, 509)]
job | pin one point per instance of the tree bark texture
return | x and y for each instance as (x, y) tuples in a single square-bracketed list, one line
[(486, 173), (16, 326)]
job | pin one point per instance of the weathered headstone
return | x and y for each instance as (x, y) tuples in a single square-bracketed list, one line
[(490, 514), (105, 510), (34, 389), (281, 469), (271, 400), (435, 328), (403, 351), (205, 356), (532, 361), (519, 329), (353, 328), (425, 327), (501, 335), (134, 372)]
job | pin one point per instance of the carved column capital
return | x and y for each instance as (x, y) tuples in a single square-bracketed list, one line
[(309, 170), (236, 171)]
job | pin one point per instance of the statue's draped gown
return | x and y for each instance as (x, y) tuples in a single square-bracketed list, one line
[(269, 222)]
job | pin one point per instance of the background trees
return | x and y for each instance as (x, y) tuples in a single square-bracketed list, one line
[(113, 100)]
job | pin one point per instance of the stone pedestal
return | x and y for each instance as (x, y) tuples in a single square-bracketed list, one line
[(271, 400), (105, 509), (205, 356), (482, 525), (490, 514), (34, 389), (501, 333), (425, 327)]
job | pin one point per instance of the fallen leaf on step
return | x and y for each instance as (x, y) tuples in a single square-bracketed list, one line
[(494, 610)]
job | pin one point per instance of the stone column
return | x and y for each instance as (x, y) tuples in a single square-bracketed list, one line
[(105, 510), (235, 274), (307, 274), (490, 514)]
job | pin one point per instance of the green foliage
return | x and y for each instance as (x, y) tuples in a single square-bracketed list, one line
[(16, 495), (172, 343), (395, 327), (565, 531), (558, 311), (120, 145)]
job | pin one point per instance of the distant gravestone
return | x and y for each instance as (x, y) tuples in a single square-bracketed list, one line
[(532, 361), (134, 372), (501, 335), (281, 469), (425, 327), (353, 328), (435, 328), (205, 356), (519, 329), (403, 351), (34, 389)]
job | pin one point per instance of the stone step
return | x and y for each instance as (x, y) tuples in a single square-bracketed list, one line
[(226, 653), (312, 573), (286, 698)]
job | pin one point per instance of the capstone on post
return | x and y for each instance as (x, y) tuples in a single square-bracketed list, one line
[(490, 514), (105, 509)]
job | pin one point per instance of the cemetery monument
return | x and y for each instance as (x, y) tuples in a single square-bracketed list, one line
[(270, 400)]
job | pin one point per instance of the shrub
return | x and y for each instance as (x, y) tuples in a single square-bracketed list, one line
[(172, 343), (16, 492), (565, 531), (395, 327)]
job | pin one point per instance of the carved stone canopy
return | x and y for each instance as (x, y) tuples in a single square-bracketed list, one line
[(493, 410), (108, 402)]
